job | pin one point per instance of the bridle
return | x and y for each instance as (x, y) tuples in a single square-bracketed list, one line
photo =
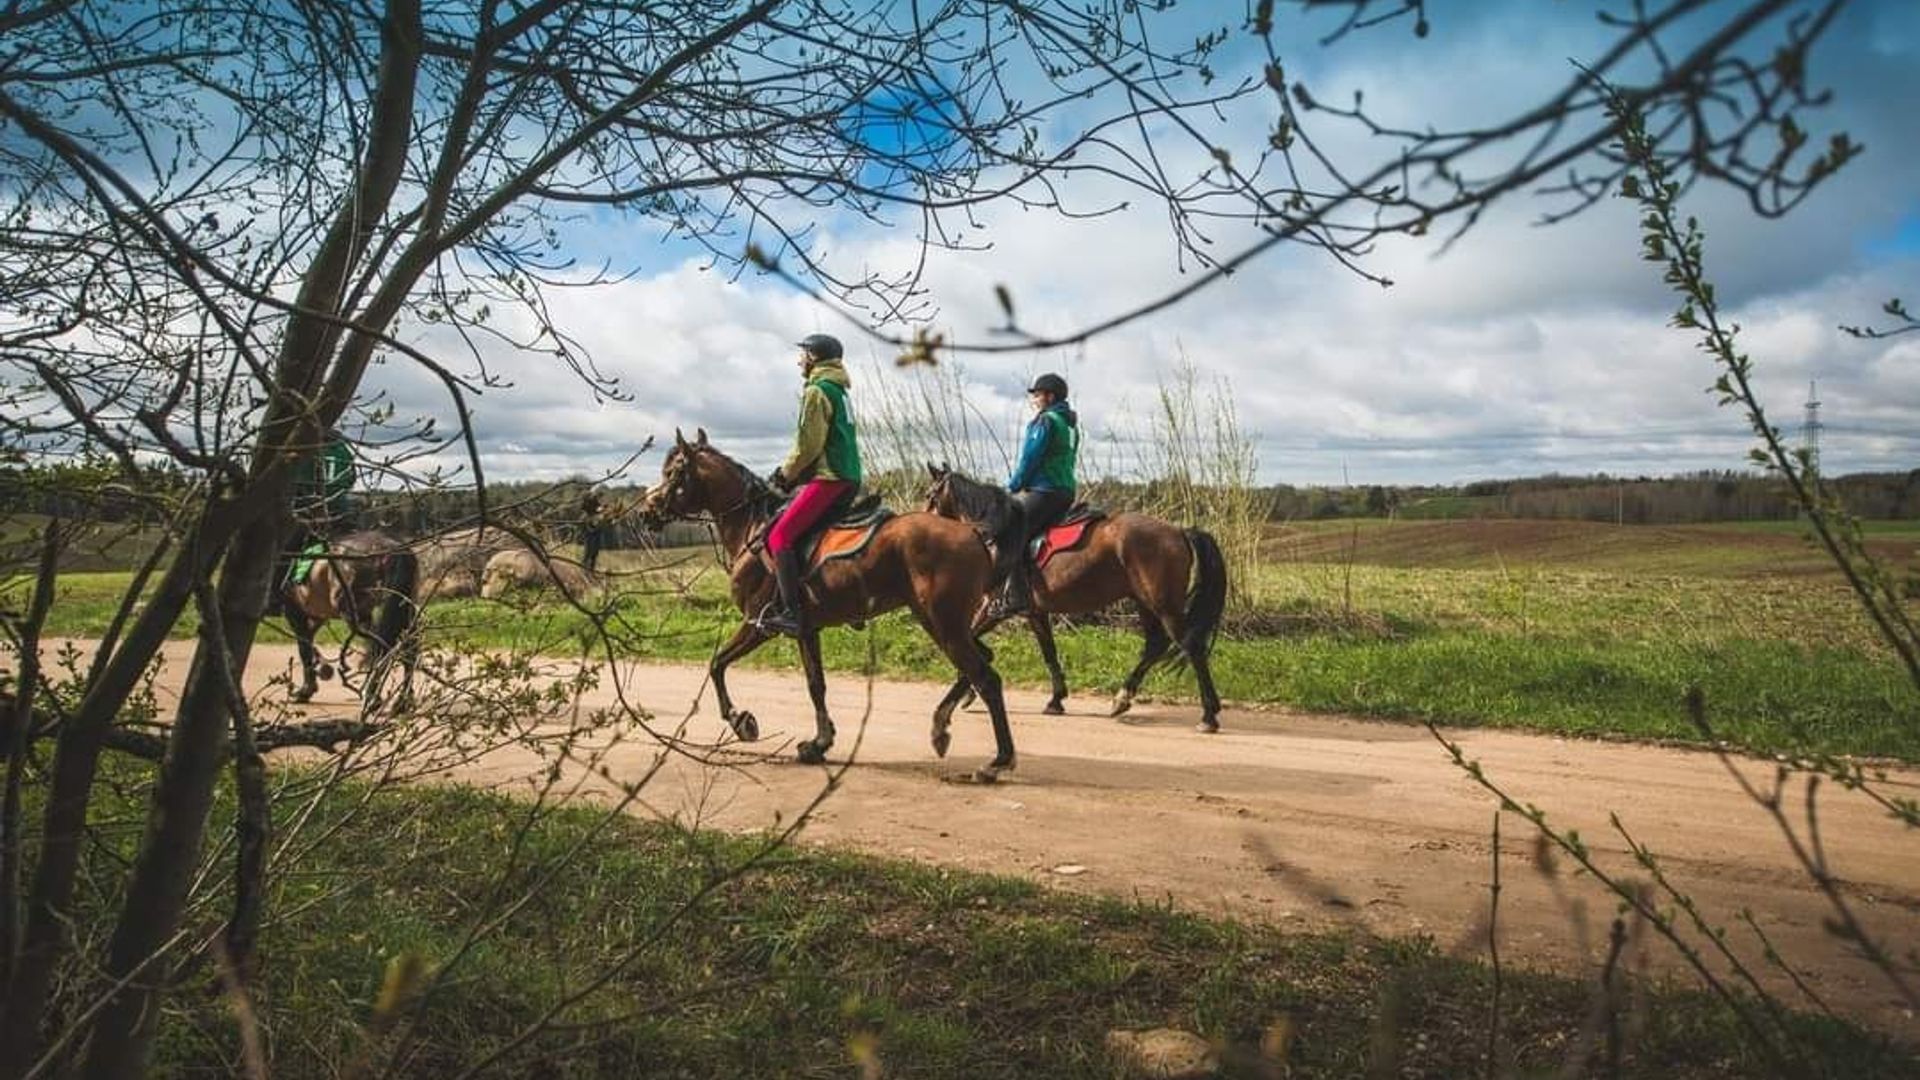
[(673, 483)]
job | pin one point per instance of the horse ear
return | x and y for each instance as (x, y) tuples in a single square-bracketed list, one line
[(933, 470), (700, 435), (679, 439), (945, 468)]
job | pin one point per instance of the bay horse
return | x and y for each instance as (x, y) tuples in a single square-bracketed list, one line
[(371, 580), (936, 568), (1175, 577)]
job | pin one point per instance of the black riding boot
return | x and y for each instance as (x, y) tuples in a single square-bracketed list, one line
[(787, 577), (1016, 596)]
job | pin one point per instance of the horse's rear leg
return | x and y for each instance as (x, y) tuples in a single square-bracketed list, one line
[(1172, 630), (1202, 662), (1156, 646), (814, 751)]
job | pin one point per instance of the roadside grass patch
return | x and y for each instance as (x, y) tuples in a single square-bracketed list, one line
[(820, 960)]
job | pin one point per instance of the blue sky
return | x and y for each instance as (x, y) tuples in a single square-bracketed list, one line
[(1521, 350)]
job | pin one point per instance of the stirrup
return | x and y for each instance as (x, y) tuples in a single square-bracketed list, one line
[(776, 621), (1005, 605)]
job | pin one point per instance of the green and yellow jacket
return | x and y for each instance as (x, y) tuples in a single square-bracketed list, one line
[(826, 446)]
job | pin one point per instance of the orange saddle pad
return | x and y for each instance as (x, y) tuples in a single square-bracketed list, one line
[(841, 543)]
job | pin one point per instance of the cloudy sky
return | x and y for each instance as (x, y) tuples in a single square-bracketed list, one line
[(1520, 350)]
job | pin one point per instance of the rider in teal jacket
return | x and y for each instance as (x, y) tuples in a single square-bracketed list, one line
[(1043, 483)]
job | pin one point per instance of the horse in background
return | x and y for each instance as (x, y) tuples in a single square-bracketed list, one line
[(371, 580), (937, 569), (1175, 577)]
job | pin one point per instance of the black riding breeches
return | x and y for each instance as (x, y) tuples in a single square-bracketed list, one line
[(1041, 509)]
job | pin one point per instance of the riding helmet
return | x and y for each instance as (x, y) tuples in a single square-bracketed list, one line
[(1049, 384), (821, 346)]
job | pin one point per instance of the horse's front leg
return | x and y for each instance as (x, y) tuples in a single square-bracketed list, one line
[(814, 750), (745, 639), (962, 692), (302, 628), (1042, 625)]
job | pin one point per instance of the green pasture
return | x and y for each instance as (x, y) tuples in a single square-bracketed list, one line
[(1573, 628)]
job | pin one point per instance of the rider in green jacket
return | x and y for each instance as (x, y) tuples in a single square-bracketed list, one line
[(823, 469)]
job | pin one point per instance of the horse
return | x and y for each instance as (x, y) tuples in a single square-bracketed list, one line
[(371, 580), (936, 568), (1126, 556)]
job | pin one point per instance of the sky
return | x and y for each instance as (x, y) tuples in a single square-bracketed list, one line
[(1520, 350)]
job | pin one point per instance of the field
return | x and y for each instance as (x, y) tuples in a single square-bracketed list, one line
[(1568, 627), (821, 962)]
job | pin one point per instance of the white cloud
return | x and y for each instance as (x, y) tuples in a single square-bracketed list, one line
[(1522, 350)]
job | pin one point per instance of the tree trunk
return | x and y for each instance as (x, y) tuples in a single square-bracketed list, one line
[(176, 824)]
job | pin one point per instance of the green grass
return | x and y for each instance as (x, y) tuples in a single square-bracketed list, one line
[(820, 959), (1563, 627)]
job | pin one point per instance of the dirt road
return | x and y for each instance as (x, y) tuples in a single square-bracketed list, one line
[(1298, 820)]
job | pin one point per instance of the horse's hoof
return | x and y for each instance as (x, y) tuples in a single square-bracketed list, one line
[(990, 772), (325, 671), (941, 740), (1054, 708), (301, 696), (745, 727), (1120, 707), (1208, 727), (812, 753)]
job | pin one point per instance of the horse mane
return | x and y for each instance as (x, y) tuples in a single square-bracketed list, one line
[(987, 505), (761, 500)]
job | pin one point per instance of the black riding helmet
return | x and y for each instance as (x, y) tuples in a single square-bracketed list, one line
[(821, 346), (1050, 384)]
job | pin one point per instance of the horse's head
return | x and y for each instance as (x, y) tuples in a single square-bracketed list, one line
[(940, 497), (695, 479)]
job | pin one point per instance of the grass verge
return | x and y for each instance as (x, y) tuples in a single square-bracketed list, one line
[(820, 962)]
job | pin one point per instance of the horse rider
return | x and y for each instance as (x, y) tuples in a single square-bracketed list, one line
[(320, 496), (825, 464), (1042, 483), (595, 524)]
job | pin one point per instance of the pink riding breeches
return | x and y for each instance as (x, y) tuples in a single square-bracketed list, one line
[(804, 512)]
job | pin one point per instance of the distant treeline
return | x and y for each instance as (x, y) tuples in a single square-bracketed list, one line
[(95, 491), (1642, 500)]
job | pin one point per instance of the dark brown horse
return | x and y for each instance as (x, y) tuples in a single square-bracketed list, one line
[(371, 580), (935, 568), (1176, 578)]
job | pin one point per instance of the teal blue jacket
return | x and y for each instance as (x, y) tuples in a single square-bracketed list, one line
[(1048, 454)]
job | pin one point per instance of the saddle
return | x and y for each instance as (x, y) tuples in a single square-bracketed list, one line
[(1063, 535), (847, 532)]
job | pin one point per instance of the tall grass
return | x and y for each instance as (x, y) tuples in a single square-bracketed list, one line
[(1201, 468), (1185, 457)]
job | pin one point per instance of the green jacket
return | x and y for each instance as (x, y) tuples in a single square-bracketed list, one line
[(321, 483), (825, 446), (1049, 452)]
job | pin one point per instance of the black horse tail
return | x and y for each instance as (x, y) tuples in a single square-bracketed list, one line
[(1207, 601), (401, 607)]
